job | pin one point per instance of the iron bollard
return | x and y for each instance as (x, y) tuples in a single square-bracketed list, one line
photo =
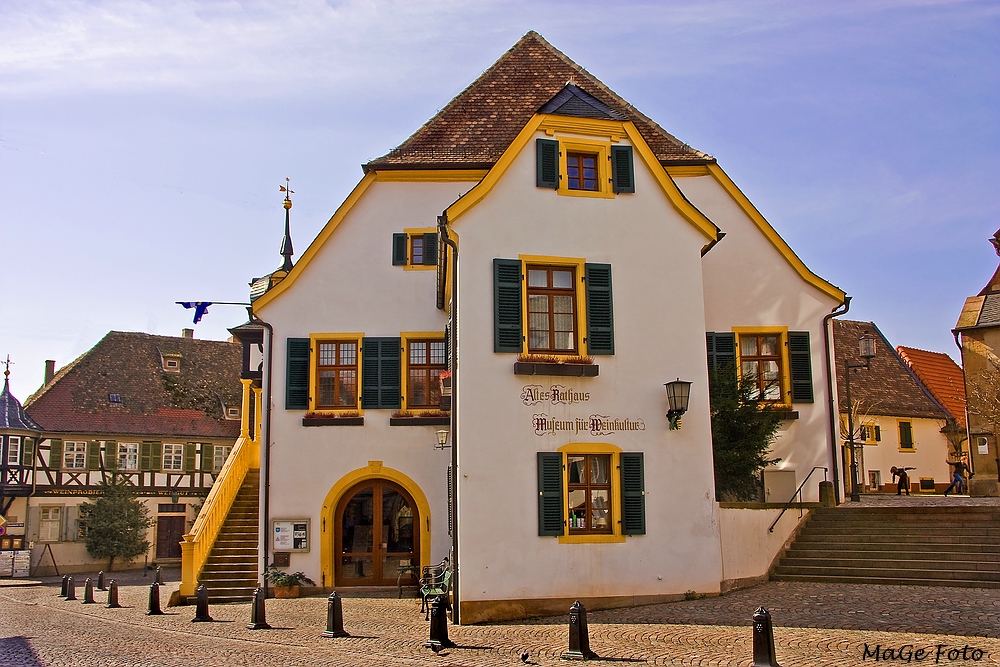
[(159, 576), (579, 635), (201, 614), (258, 619), (439, 626), (113, 596), (335, 617), (154, 600), (763, 639), (70, 589), (88, 592), (100, 581), (62, 591)]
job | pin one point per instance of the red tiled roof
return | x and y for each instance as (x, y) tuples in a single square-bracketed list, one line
[(188, 403), (942, 377), (478, 125)]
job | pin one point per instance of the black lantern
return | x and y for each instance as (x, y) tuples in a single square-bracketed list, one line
[(678, 395), (442, 442)]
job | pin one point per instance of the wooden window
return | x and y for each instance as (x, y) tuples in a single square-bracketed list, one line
[(49, 523), (427, 359), (173, 457), (589, 493), (416, 250), (581, 171), (82, 521), (760, 360), (128, 455), (415, 247), (905, 435), (75, 455), (13, 450), (552, 309), (337, 374), (221, 454)]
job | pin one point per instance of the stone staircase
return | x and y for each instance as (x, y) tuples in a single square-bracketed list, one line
[(230, 573), (925, 546)]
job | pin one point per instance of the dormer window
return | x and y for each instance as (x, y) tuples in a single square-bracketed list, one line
[(232, 413), (114, 398), (171, 363)]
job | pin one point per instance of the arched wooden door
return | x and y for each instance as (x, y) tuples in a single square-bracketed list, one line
[(376, 535)]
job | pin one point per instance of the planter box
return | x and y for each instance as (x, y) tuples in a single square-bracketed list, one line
[(286, 591), (333, 421), (562, 370), (419, 421)]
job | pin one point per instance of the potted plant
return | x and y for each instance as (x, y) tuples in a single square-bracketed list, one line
[(286, 585)]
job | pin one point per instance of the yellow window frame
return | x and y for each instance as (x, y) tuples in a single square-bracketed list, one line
[(410, 233), (579, 264), (406, 337), (616, 492), (786, 378), (338, 337), (602, 149)]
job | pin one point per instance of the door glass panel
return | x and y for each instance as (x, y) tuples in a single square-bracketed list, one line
[(356, 567), (397, 522), (357, 523)]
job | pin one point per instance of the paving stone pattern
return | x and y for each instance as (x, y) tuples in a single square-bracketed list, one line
[(815, 624)]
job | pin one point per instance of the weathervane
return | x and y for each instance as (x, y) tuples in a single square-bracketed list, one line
[(288, 191), (6, 373), (286, 243)]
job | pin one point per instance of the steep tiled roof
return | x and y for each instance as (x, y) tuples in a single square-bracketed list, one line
[(129, 367), (475, 128), (888, 388), (12, 415), (942, 377)]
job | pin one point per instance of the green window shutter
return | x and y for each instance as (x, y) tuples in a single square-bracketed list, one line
[(297, 374), (399, 249), (622, 178), (430, 249), (878, 434), (110, 455), (721, 359), (151, 456), (72, 523), (550, 493), (145, 454), (55, 453), (905, 434), (507, 331), (189, 452), (94, 455), (207, 457), (633, 494), (27, 451), (600, 311), (801, 366), (547, 163), (381, 375)]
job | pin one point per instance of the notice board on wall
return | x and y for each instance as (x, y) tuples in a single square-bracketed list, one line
[(290, 535)]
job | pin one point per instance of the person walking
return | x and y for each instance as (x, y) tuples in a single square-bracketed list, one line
[(957, 475), (904, 480)]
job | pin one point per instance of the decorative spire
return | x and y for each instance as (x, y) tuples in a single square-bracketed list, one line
[(6, 371), (286, 243)]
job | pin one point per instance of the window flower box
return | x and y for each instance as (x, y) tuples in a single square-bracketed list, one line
[(333, 419), (560, 369)]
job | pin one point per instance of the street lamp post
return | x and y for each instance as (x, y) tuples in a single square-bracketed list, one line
[(866, 346)]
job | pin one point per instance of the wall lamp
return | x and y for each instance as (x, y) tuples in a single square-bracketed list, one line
[(442, 442), (678, 396)]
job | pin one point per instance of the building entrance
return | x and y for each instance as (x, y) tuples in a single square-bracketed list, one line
[(376, 539)]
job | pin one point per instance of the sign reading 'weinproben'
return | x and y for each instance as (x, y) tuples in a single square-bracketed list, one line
[(594, 425)]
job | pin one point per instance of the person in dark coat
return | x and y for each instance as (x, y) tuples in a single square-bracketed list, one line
[(904, 480), (959, 469)]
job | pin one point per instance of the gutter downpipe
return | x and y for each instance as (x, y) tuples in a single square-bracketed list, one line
[(831, 378), (443, 231), (957, 333), (265, 437)]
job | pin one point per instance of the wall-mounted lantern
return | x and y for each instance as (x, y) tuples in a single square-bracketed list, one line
[(442, 441), (678, 396)]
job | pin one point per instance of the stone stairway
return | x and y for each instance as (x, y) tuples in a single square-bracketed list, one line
[(230, 573), (925, 546)]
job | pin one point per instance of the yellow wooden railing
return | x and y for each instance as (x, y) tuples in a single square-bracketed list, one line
[(197, 544)]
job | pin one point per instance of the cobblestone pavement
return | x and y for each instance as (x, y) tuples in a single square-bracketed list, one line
[(815, 624)]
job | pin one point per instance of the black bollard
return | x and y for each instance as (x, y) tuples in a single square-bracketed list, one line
[(100, 581), (70, 589), (154, 600), (201, 614), (88, 592), (763, 639), (335, 617), (62, 591), (113, 596), (579, 635), (258, 620), (439, 626), (159, 576)]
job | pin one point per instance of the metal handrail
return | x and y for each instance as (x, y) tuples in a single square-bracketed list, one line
[(798, 492)]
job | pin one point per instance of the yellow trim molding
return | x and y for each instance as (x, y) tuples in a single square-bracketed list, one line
[(328, 518), (602, 152), (315, 338), (612, 129), (430, 175), (616, 492), (577, 263), (786, 370)]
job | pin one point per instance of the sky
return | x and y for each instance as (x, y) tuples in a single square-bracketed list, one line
[(142, 143)]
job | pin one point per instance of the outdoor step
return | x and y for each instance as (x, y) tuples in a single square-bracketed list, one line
[(226, 575), (907, 529), (982, 556), (892, 538), (897, 563), (888, 581), (886, 573)]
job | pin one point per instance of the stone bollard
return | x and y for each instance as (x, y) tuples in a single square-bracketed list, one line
[(201, 614), (335, 617), (70, 589), (159, 576), (100, 581), (763, 640), (113, 596), (258, 620), (579, 635), (88, 592), (827, 498), (154, 600), (62, 591), (439, 626)]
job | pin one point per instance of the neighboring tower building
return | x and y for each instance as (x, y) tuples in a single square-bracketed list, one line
[(19, 434)]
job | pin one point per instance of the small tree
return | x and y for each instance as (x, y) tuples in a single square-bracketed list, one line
[(117, 523), (743, 430)]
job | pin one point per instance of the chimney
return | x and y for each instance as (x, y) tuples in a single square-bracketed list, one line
[(187, 333), (50, 370)]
